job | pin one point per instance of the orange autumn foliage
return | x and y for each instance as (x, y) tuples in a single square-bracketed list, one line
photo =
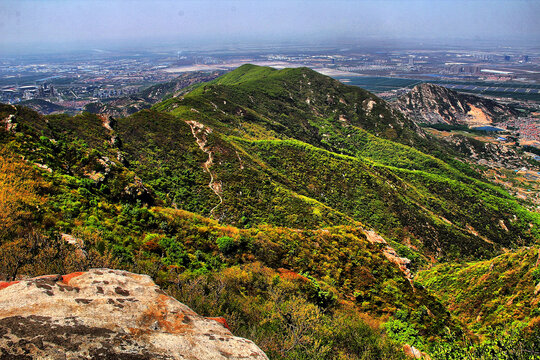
[(20, 188)]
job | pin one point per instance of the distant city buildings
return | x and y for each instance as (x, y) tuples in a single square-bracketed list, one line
[(528, 128), (462, 68)]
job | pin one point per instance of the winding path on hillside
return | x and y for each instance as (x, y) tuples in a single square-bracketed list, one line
[(200, 132)]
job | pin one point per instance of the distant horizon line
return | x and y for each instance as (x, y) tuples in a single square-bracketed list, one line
[(131, 45)]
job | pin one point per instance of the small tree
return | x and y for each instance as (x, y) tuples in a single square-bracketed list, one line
[(226, 244)]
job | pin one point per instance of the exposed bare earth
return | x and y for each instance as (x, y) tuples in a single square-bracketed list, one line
[(477, 117)]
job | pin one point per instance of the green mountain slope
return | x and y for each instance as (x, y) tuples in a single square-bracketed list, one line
[(81, 192), (237, 149), (43, 106), (286, 101), (430, 201)]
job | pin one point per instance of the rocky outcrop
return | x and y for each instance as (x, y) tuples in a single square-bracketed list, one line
[(414, 353), (7, 122), (433, 104), (108, 314), (391, 254), (485, 153)]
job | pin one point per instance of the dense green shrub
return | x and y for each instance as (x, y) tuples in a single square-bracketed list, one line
[(226, 244)]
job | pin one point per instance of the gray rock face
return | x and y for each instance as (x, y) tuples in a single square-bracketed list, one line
[(108, 314), (433, 104)]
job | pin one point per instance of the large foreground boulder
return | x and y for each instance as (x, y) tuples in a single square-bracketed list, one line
[(108, 314)]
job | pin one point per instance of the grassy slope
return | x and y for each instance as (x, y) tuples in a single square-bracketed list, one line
[(267, 177), (399, 203), (288, 99)]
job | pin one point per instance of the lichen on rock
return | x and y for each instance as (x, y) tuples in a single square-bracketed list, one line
[(108, 314)]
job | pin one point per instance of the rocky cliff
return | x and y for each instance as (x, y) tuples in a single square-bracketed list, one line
[(432, 104), (108, 314)]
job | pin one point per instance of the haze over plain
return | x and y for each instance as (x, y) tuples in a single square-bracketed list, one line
[(41, 25)]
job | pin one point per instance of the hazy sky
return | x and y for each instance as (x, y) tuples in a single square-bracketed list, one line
[(94, 22)]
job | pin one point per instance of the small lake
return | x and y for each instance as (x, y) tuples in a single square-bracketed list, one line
[(488, 128)]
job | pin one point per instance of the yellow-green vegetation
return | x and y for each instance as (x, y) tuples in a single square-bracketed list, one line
[(491, 293), (498, 299), (182, 250), (21, 193), (413, 195), (276, 310)]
